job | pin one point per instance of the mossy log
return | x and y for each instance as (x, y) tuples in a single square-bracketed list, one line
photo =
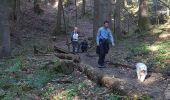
[(60, 50), (74, 58), (60, 66)]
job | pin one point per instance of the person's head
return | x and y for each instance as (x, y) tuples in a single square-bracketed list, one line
[(75, 29), (106, 24)]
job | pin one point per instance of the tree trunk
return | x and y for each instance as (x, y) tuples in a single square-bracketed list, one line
[(35, 3), (102, 12), (37, 8), (5, 10), (84, 7), (76, 13), (117, 19), (15, 21), (125, 3), (155, 6), (58, 28), (143, 21)]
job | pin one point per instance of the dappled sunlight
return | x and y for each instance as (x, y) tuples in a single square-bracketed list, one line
[(152, 78), (134, 10), (149, 81), (79, 3), (153, 48), (164, 36), (64, 95), (54, 5)]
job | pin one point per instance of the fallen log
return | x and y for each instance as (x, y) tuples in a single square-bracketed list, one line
[(99, 77), (60, 50), (74, 58), (59, 66), (111, 82), (36, 51)]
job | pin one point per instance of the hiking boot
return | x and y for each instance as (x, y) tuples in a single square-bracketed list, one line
[(100, 66)]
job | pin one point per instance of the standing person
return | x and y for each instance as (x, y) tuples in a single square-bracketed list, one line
[(74, 40), (103, 38)]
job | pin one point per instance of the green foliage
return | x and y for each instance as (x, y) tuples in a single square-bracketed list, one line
[(14, 68), (72, 90), (38, 79), (50, 89), (117, 97), (8, 96), (144, 98), (14, 82), (112, 97), (139, 50)]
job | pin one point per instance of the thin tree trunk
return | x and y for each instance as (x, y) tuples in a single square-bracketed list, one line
[(84, 7), (15, 21), (5, 10), (117, 19), (125, 3), (65, 27), (35, 3), (96, 18), (6, 40), (76, 12), (155, 6), (58, 28), (143, 21)]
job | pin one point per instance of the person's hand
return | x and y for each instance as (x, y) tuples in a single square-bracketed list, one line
[(113, 44)]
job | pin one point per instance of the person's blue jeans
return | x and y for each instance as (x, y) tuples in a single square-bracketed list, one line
[(75, 46)]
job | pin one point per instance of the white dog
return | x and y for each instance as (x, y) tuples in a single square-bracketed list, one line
[(141, 70)]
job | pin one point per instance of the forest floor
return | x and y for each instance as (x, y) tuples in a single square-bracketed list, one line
[(22, 76)]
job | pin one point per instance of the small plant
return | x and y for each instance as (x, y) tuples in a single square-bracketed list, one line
[(50, 89)]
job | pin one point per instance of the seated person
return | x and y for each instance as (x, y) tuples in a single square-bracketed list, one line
[(84, 46)]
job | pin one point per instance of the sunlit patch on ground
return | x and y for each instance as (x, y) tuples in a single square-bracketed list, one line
[(153, 48), (164, 36)]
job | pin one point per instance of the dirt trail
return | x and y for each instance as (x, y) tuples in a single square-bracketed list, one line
[(155, 85)]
